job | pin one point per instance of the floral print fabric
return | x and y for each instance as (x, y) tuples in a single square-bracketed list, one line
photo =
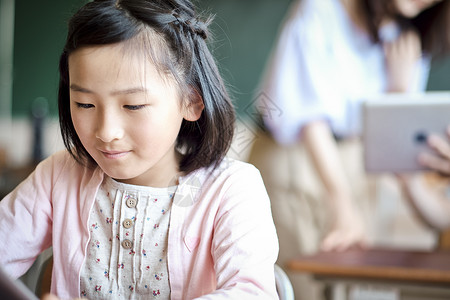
[(127, 251)]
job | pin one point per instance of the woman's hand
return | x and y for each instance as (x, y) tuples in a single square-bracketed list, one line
[(346, 225), (347, 228), (440, 161), (401, 58)]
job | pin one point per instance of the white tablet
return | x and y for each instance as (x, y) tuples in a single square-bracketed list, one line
[(14, 289), (395, 128)]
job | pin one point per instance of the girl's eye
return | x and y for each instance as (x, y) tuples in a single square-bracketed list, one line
[(134, 107), (84, 105)]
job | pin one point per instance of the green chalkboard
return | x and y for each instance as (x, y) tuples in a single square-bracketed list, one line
[(244, 33), (440, 75), (39, 34)]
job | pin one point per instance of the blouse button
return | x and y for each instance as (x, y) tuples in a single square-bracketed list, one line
[(127, 223), (131, 202), (127, 244)]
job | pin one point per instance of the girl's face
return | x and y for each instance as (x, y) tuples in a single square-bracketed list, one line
[(126, 114), (411, 8)]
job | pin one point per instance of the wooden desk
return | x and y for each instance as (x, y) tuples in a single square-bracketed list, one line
[(380, 273)]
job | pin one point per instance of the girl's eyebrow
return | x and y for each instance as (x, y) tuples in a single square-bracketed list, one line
[(76, 88), (134, 90)]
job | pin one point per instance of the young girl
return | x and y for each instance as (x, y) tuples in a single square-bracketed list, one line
[(143, 203)]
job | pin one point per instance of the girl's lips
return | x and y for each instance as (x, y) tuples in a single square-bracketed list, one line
[(114, 154)]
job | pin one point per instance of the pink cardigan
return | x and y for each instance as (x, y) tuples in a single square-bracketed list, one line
[(222, 240)]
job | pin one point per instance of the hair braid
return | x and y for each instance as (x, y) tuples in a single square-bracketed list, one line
[(192, 25)]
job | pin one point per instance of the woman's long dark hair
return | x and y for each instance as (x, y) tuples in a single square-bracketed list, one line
[(433, 24), (175, 41)]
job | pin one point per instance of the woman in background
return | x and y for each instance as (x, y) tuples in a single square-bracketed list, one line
[(330, 56)]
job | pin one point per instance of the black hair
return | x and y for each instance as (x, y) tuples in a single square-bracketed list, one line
[(174, 26), (432, 24)]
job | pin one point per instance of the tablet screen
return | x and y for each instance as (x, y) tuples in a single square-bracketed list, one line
[(396, 127)]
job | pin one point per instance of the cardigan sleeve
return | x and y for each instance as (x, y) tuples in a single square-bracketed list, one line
[(26, 218), (244, 245)]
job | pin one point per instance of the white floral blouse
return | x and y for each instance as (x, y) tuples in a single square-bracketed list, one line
[(127, 251)]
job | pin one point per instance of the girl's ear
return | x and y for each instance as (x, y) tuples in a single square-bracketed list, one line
[(194, 106)]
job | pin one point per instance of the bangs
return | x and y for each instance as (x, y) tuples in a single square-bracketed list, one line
[(148, 45)]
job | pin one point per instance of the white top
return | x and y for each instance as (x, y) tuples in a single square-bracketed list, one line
[(127, 250), (322, 68)]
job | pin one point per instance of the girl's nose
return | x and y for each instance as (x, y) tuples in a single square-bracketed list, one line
[(109, 128)]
